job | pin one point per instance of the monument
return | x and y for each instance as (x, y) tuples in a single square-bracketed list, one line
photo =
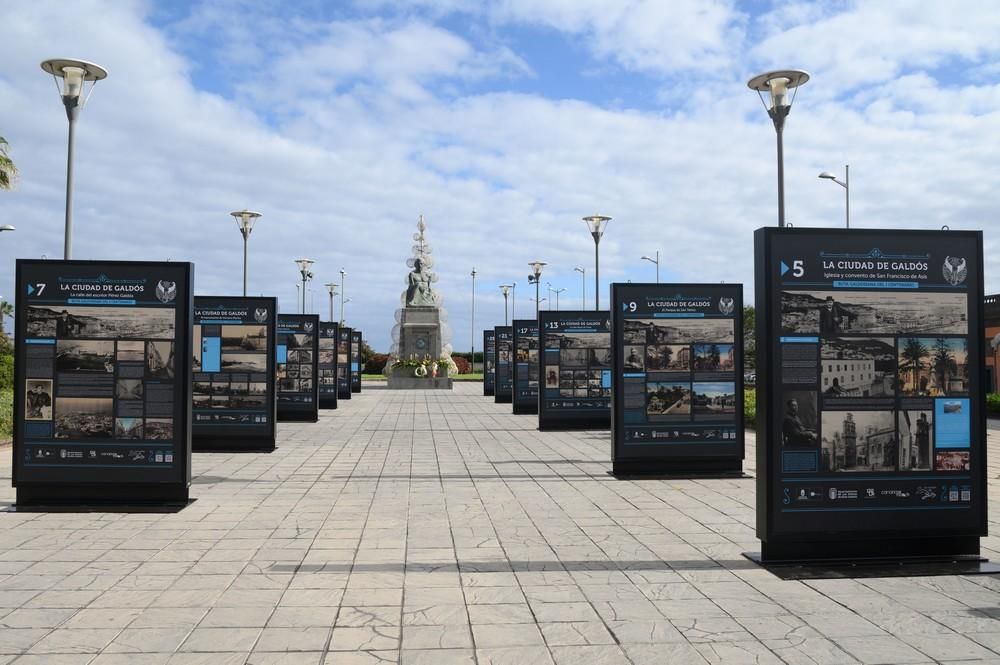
[(420, 356)]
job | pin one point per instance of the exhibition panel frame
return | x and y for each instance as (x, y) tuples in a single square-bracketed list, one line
[(489, 362), (296, 368), (576, 360), (328, 387), (504, 353), (344, 363), (525, 369), (356, 361)]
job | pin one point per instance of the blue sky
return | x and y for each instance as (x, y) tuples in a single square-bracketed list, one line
[(503, 123)]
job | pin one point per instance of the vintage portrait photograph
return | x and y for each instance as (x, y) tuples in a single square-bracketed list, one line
[(159, 429), (933, 366), (859, 441), (713, 358), (105, 322), (89, 355), (668, 358), (131, 351), (38, 399), (832, 313), (858, 367), (244, 338), (799, 424), (128, 428), (916, 439), (668, 398), (714, 399), (128, 389), (635, 358), (160, 360), (552, 376), (84, 418)]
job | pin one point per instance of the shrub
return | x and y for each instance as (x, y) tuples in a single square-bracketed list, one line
[(993, 403), (750, 407), (464, 367), (6, 414), (6, 372), (375, 363)]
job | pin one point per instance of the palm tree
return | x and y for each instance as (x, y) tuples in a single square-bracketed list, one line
[(8, 170), (6, 309), (942, 362), (913, 354)]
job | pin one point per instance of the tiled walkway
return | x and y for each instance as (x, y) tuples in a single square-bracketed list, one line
[(437, 528)]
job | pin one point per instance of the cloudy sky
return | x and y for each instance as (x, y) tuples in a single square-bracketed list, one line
[(503, 123)]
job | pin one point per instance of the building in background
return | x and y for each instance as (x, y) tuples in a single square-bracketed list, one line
[(991, 317)]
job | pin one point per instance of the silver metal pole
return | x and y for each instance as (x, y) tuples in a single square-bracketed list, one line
[(847, 192), (72, 112), (244, 263)]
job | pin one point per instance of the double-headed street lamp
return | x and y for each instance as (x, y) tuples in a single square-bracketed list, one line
[(74, 74), (597, 224), (304, 265), (505, 289), (557, 292), (245, 220), (536, 278), (583, 286), (777, 84), (331, 288), (656, 261), (846, 184)]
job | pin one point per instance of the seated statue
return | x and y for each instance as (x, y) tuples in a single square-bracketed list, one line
[(418, 289)]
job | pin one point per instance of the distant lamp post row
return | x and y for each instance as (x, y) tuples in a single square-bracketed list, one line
[(245, 219), (656, 261), (846, 184), (74, 74), (778, 84)]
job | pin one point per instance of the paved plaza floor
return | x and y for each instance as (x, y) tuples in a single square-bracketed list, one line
[(436, 528)]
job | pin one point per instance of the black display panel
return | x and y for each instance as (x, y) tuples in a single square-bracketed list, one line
[(678, 378), (328, 336), (524, 377), (871, 416), (344, 363), (576, 370), (355, 361), (232, 373), (489, 362), (297, 367), (102, 388), (504, 352)]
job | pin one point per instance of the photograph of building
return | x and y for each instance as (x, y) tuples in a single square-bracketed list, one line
[(713, 358), (713, 399), (668, 358), (678, 331), (916, 439), (667, 398), (859, 441), (858, 367)]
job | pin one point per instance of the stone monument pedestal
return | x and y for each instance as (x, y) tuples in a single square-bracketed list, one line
[(419, 337)]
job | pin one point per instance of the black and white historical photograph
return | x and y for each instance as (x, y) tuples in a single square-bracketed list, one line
[(832, 313), (160, 360), (300, 356), (326, 356), (301, 341), (244, 338), (573, 358), (38, 399), (132, 351), (128, 389), (244, 362), (799, 423), (201, 387), (159, 429), (679, 331), (916, 439), (89, 355), (552, 376), (668, 358), (128, 428), (305, 371), (668, 398), (713, 399), (714, 358), (201, 401), (635, 358), (933, 366), (600, 357), (84, 418), (568, 340), (858, 367), (859, 441), (73, 321)]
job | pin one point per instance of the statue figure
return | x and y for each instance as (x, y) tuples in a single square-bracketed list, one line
[(418, 289)]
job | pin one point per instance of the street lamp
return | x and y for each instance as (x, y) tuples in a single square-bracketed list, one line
[(304, 265), (536, 278), (846, 184), (583, 286), (472, 335), (342, 303), (505, 289), (777, 84), (331, 288), (343, 292), (597, 224), (74, 74), (557, 292), (656, 261), (245, 220), (548, 285), (8, 227)]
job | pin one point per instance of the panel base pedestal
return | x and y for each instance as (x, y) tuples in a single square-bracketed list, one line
[(151, 497), (232, 445), (688, 468)]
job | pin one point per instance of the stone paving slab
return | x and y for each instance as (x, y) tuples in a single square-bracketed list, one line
[(431, 528)]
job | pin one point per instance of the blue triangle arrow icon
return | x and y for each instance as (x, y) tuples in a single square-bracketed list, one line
[(784, 268), (31, 289), (624, 306)]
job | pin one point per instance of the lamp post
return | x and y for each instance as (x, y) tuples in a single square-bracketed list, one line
[(8, 227), (74, 74), (505, 289), (548, 286), (583, 286), (343, 292), (472, 333), (777, 84), (245, 220), (331, 288), (342, 303), (536, 278), (656, 261), (298, 292), (597, 224), (304, 265), (557, 292), (846, 184)]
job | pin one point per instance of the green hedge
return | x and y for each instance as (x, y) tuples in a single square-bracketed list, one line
[(6, 414), (993, 404), (750, 407)]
